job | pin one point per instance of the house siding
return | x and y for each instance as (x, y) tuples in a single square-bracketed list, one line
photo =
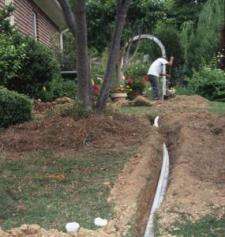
[(2, 3), (24, 21)]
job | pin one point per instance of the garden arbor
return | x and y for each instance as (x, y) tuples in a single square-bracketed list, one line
[(149, 37)]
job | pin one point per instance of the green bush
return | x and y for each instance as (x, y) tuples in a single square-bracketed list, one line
[(26, 65), (14, 107), (11, 58), (209, 83), (58, 88), (39, 67)]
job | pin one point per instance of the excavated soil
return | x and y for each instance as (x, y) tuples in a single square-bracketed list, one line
[(195, 139), (60, 133), (196, 145)]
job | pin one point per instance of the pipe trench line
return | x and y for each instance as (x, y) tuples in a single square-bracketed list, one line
[(161, 188)]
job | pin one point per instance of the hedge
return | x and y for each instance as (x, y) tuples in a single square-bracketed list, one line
[(14, 107)]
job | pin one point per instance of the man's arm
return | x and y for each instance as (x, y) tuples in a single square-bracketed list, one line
[(171, 61)]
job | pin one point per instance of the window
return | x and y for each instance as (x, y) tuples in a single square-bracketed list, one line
[(34, 25)]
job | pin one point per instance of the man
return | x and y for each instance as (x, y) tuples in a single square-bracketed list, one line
[(155, 72)]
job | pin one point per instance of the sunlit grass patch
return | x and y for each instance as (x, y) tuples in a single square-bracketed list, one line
[(139, 110), (217, 107)]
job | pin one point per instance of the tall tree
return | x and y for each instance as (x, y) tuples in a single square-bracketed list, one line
[(76, 21), (141, 17), (75, 16), (122, 8)]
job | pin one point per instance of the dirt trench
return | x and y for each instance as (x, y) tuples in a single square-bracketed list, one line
[(197, 171), (195, 139)]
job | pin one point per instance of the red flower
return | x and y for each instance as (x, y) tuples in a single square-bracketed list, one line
[(130, 81), (146, 77), (96, 89)]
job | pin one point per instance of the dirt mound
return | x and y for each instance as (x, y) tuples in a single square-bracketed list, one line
[(197, 181), (40, 106), (183, 104), (66, 133)]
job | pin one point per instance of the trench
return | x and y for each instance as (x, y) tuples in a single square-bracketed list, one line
[(145, 216)]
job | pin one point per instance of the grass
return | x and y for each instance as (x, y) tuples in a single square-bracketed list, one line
[(208, 226), (217, 107), (51, 189), (183, 91), (139, 110)]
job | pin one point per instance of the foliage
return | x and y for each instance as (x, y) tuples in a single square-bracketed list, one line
[(136, 70), (203, 39), (58, 88), (5, 13), (135, 76), (27, 65), (141, 18), (12, 57), (180, 11), (184, 90), (14, 107), (100, 16), (68, 57), (209, 83)]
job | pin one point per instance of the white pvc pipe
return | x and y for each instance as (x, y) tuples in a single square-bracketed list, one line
[(156, 122), (160, 191)]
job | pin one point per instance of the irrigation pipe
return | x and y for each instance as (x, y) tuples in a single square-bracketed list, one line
[(156, 122), (161, 188)]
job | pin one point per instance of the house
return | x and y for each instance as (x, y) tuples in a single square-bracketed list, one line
[(40, 19)]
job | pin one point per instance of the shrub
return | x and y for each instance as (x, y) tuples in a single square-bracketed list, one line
[(39, 67), (28, 66), (209, 83), (58, 88), (11, 58), (14, 107)]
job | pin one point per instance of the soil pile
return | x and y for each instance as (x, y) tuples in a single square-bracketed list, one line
[(197, 180), (60, 133)]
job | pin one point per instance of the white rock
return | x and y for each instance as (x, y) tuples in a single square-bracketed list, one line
[(100, 222), (72, 227)]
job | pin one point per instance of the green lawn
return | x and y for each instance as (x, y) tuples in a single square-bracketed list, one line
[(51, 189), (217, 107), (206, 227), (138, 110)]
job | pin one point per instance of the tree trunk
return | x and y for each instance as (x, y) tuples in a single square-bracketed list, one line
[(122, 8), (76, 21), (83, 66)]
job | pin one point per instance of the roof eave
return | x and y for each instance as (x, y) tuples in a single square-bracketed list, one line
[(54, 11)]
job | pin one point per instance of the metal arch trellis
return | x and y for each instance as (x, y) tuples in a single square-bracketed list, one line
[(161, 46)]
